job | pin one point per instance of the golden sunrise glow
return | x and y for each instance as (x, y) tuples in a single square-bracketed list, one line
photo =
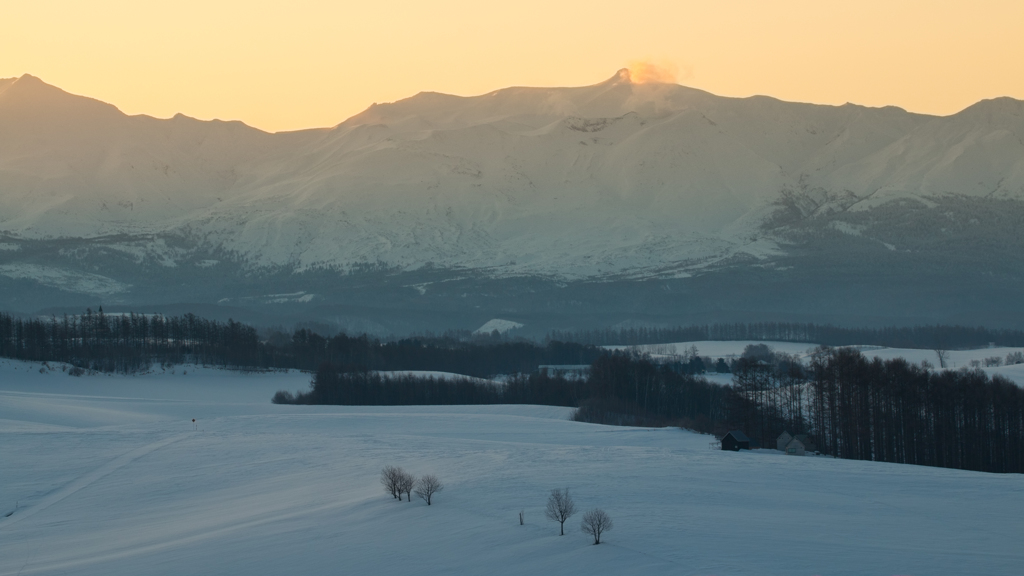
[(306, 63)]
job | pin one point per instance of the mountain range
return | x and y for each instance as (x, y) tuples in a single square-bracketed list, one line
[(620, 203)]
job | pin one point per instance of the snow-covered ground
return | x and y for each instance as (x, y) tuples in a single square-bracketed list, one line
[(435, 375), (734, 349), (105, 475)]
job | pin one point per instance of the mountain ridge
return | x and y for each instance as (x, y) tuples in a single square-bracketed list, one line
[(614, 182)]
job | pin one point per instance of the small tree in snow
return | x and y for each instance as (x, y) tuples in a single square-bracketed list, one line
[(428, 486), (595, 523), (560, 508), (406, 483), (390, 479)]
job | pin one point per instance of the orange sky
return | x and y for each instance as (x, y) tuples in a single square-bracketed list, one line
[(306, 63)]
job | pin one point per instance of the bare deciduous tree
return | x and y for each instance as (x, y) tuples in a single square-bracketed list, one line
[(943, 357), (560, 508), (406, 483), (595, 523), (428, 486), (390, 478)]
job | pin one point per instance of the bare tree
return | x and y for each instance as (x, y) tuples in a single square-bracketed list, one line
[(390, 478), (595, 523), (428, 486), (406, 483), (943, 357), (560, 508)]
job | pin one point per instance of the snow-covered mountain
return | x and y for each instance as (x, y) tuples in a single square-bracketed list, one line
[(617, 180)]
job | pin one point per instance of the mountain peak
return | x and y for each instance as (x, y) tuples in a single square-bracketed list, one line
[(28, 95), (999, 105), (27, 83), (623, 76)]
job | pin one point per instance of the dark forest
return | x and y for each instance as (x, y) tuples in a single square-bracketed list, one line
[(128, 343)]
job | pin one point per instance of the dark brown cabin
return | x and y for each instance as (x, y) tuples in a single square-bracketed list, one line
[(735, 441)]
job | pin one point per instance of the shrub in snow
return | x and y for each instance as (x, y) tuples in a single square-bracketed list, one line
[(283, 397)]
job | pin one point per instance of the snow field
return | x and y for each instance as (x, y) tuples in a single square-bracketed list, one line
[(109, 482)]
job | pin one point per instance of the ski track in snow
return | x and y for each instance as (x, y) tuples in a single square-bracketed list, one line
[(87, 480)]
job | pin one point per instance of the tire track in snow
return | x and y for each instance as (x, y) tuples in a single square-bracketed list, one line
[(195, 536), (88, 479)]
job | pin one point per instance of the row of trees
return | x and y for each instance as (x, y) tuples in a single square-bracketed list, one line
[(130, 342), (621, 388), (928, 337), (856, 408), (890, 411), (397, 481), (1012, 358), (560, 507), (133, 342)]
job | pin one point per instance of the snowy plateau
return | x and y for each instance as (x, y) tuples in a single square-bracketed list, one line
[(550, 207), (106, 475)]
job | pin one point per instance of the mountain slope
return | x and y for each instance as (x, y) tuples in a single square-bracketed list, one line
[(619, 181), (73, 166)]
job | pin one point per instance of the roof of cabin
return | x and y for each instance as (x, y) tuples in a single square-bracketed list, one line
[(739, 436)]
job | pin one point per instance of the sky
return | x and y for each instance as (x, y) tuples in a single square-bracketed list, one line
[(311, 63)]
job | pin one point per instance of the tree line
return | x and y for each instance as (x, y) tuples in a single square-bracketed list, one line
[(856, 408), (131, 342), (888, 411), (622, 388), (927, 337)]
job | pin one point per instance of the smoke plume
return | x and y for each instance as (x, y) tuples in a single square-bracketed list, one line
[(644, 72)]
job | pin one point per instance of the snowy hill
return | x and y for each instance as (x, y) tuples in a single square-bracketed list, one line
[(619, 180), (101, 479)]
